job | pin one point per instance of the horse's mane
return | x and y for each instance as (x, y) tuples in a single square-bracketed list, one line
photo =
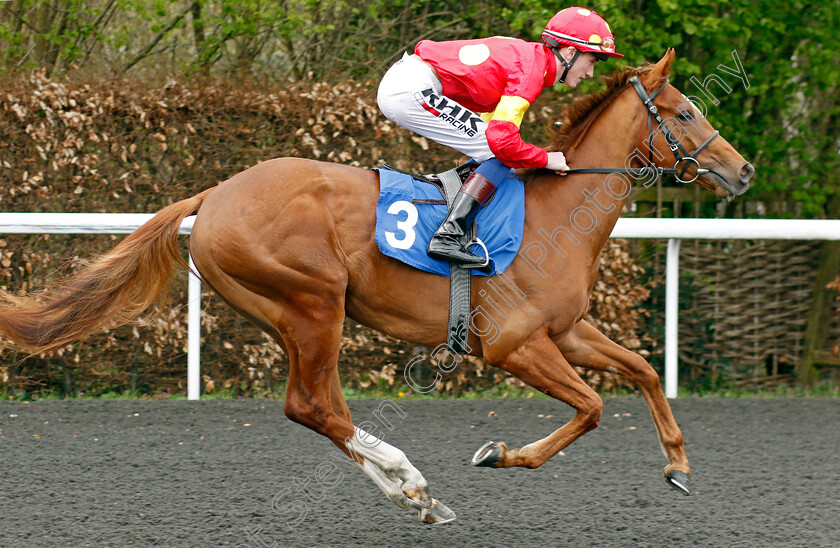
[(580, 115)]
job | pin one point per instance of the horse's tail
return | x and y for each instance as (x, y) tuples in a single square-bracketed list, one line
[(109, 291)]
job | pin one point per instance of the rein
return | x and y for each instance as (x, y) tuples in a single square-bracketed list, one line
[(676, 147)]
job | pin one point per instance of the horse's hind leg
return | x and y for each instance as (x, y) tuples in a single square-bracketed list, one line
[(587, 347), (312, 335), (314, 399), (307, 324), (540, 364)]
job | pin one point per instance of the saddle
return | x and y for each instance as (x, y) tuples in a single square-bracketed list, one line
[(449, 183), (463, 171)]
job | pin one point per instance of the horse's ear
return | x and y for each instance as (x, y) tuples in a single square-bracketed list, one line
[(663, 67)]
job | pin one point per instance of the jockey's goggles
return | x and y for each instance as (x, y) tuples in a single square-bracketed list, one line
[(607, 44)]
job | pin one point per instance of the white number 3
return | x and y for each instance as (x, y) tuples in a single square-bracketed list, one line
[(406, 226)]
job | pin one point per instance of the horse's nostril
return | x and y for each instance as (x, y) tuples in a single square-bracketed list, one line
[(747, 172)]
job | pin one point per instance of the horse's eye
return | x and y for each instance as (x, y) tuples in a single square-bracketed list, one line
[(685, 115)]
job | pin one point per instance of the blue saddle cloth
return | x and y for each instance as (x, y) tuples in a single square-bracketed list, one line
[(404, 227)]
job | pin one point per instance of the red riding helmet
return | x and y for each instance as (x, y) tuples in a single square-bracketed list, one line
[(582, 29)]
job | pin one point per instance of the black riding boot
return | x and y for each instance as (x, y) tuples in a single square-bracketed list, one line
[(445, 244)]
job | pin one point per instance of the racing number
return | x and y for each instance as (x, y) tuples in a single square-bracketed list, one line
[(406, 226)]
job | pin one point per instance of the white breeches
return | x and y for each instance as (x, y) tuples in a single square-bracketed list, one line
[(412, 96)]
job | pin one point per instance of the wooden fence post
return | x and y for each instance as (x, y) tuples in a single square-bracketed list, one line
[(818, 318)]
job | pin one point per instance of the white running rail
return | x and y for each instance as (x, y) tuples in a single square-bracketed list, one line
[(672, 229), (711, 229), (118, 223)]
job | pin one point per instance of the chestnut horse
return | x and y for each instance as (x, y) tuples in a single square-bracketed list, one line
[(289, 244)]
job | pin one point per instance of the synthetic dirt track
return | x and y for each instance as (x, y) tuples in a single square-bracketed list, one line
[(175, 473)]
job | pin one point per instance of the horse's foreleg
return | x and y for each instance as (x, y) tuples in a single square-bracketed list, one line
[(587, 347), (540, 364)]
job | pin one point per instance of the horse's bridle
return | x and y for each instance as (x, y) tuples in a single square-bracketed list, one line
[(676, 147)]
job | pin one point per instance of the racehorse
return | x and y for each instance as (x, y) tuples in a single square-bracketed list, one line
[(289, 244)]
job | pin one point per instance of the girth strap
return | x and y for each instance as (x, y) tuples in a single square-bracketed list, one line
[(459, 279)]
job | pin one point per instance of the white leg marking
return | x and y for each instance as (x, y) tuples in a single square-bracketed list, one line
[(393, 462), (389, 469), (390, 488), (387, 466)]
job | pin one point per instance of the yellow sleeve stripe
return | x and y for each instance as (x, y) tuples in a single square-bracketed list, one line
[(511, 109)]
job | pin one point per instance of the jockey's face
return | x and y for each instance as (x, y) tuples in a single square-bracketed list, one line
[(584, 67)]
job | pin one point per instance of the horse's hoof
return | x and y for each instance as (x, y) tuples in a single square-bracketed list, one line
[(489, 454), (439, 513), (679, 481)]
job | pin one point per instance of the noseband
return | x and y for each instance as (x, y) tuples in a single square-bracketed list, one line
[(676, 147)]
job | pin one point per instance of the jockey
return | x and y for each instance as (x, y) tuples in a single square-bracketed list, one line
[(471, 95)]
